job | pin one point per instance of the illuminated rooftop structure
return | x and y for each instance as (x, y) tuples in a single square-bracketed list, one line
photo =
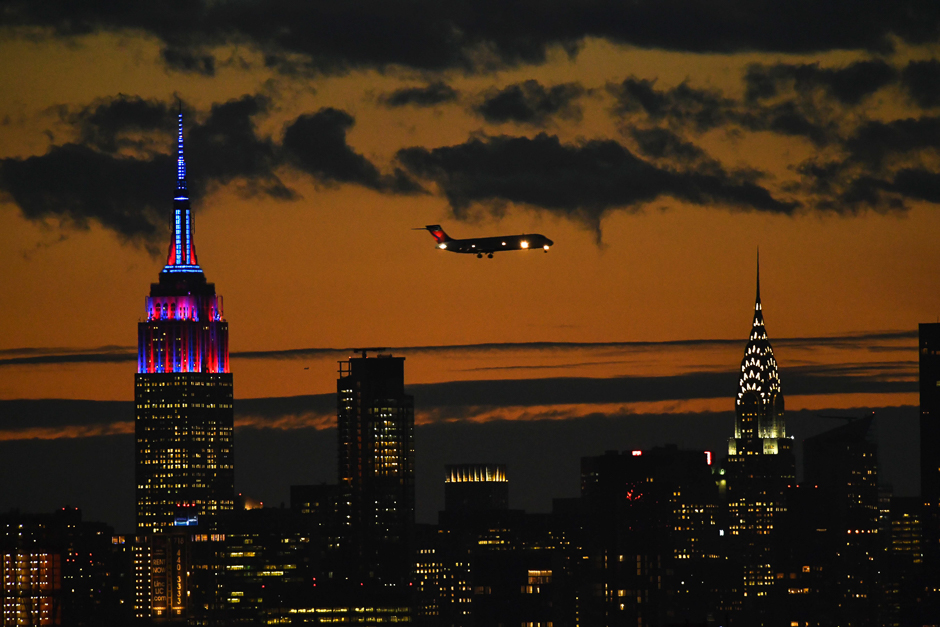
[(182, 253), (759, 403), (476, 487), (458, 473)]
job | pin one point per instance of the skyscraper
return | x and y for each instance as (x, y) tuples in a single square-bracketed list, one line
[(376, 469), (183, 387), (760, 462), (929, 339), (476, 487)]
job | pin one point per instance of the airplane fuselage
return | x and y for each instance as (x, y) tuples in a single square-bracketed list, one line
[(489, 245)]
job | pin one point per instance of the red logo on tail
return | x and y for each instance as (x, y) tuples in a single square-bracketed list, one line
[(438, 233)]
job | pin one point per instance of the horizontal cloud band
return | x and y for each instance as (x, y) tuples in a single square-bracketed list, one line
[(450, 397)]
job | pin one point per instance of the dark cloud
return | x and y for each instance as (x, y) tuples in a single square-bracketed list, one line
[(682, 105), (849, 84), (887, 340), (481, 34), (78, 185), (183, 60), (875, 142), (118, 175), (226, 147), (531, 103), (316, 144), (922, 81), (97, 180), (428, 96), (685, 107), (466, 399), (580, 181), (884, 165), (111, 124), (660, 143), (790, 118), (917, 183)]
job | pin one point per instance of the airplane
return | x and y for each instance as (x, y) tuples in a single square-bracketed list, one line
[(487, 245)]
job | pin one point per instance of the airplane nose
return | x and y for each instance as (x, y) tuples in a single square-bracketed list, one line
[(549, 242)]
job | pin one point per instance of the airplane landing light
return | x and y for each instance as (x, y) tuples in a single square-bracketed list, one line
[(524, 244)]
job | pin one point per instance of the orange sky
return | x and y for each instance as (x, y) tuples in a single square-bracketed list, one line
[(339, 267)]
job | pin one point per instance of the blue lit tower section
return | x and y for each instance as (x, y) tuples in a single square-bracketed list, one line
[(760, 463), (183, 391)]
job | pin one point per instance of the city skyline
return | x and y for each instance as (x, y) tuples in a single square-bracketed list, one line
[(310, 176)]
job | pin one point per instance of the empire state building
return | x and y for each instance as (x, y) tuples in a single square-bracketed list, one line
[(184, 465)]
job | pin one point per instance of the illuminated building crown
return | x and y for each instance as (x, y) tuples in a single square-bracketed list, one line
[(184, 329), (760, 398)]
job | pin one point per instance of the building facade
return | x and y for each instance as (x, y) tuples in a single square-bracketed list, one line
[(375, 420)]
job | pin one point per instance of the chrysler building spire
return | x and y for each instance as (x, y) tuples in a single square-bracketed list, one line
[(759, 402)]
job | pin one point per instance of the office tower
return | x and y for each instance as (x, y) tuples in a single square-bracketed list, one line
[(760, 462), (183, 387), (375, 420), (929, 339), (56, 569), (829, 550), (843, 464), (929, 349), (483, 564), (476, 487), (258, 569), (649, 537)]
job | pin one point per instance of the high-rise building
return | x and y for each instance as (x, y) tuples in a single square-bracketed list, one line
[(183, 388), (760, 462), (929, 338), (929, 349), (56, 569), (650, 537), (828, 545), (475, 487), (376, 470)]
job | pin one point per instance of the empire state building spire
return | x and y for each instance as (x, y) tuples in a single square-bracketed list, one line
[(182, 254)]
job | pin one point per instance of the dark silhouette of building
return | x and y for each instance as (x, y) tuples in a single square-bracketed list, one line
[(903, 571), (929, 358), (759, 465), (476, 487), (829, 552), (650, 537), (375, 421), (483, 563), (256, 572), (929, 339)]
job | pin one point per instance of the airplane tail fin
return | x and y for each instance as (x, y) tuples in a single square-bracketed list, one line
[(438, 233)]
